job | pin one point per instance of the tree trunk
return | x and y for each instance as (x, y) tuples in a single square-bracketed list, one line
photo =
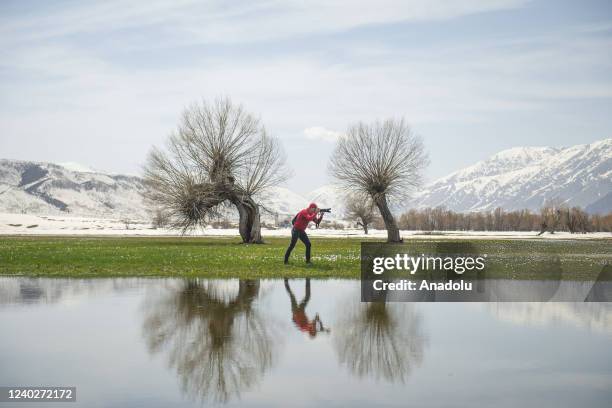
[(249, 224), (365, 227), (393, 234)]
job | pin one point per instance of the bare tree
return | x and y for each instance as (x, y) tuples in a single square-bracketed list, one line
[(159, 218), (576, 220), (551, 214), (126, 222), (219, 154), (361, 208), (383, 160)]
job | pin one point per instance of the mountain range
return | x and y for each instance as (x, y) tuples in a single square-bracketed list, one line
[(526, 177), (522, 177), (48, 188), (76, 190)]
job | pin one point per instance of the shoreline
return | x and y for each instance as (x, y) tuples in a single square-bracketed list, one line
[(25, 225)]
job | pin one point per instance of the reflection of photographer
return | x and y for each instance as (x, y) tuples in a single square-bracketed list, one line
[(300, 319), (300, 223)]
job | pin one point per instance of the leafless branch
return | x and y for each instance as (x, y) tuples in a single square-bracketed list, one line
[(219, 153), (379, 158)]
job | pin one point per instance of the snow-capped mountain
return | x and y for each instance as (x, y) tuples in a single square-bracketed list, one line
[(525, 177), (329, 196), (47, 188), (282, 201), (517, 178), (77, 190)]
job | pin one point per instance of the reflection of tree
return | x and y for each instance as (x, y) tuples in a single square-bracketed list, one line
[(219, 345), (379, 340)]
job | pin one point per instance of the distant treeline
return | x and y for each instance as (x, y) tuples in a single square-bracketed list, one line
[(550, 219)]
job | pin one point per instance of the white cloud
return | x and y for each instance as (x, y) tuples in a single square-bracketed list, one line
[(320, 133), (65, 96), (231, 22)]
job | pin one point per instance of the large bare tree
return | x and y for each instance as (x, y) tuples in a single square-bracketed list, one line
[(219, 154), (383, 160)]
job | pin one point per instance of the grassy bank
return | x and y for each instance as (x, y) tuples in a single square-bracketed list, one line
[(227, 257)]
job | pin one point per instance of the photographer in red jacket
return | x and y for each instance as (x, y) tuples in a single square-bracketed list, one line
[(300, 223)]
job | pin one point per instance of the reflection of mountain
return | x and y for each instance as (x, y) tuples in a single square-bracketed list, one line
[(14, 290), (217, 342), (379, 340), (597, 316)]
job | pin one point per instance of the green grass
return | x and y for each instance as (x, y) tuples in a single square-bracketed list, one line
[(143, 256), (227, 257)]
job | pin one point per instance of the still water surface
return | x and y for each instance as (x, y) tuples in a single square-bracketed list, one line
[(186, 343)]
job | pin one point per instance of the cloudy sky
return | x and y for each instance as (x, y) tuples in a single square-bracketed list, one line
[(99, 83)]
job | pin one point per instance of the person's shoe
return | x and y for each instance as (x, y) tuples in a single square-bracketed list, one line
[(286, 262)]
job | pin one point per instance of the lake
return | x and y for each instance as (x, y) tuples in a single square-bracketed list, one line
[(189, 343)]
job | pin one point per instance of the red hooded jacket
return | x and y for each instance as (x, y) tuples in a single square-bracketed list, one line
[(304, 217)]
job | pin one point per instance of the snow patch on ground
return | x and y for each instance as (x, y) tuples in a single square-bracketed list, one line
[(28, 224)]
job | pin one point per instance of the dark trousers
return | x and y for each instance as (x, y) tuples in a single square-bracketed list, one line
[(294, 304), (295, 234)]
